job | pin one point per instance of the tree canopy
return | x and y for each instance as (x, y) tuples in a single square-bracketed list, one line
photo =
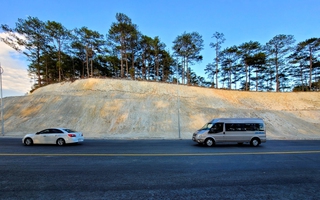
[(59, 54)]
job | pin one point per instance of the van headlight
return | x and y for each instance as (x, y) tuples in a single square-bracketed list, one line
[(200, 136)]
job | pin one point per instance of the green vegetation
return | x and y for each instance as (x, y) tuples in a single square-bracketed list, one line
[(57, 54)]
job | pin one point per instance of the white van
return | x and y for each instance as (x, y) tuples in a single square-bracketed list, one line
[(240, 130)]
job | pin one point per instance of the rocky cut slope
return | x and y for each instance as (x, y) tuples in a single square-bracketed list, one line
[(107, 108)]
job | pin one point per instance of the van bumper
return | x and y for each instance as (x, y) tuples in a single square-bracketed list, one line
[(263, 139), (197, 140)]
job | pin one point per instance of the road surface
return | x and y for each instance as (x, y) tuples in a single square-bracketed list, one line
[(159, 169)]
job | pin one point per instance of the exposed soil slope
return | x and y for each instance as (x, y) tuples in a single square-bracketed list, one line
[(106, 108)]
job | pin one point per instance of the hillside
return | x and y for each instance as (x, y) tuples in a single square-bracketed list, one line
[(106, 108)]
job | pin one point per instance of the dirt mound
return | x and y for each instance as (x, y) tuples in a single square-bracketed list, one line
[(107, 108)]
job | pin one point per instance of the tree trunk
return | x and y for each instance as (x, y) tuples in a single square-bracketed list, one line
[(38, 68), (127, 66), (59, 64), (121, 61), (82, 69), (246, 86), (183, 70), (157, 67), (256, 81), (188, 73), (121, 65), (310, 76), (230, 82), (144, 68), (277, 75), (132, 65), (47, 76), (217, 65), (87, 59), (91, 68)]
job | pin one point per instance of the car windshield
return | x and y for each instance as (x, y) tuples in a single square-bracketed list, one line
[(70, 130), (207, 126)]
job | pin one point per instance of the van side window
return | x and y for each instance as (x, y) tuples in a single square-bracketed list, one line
[(244, 127), (251, 127), (261, 127), (216, 128), (254, 127), (235, 127)]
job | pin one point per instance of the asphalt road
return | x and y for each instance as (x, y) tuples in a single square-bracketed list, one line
[(159, 169)]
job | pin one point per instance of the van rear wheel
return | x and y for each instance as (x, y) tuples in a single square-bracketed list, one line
[(209, 142), (255, 142)]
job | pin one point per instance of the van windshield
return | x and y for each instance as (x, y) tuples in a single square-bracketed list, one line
[(207, 126)]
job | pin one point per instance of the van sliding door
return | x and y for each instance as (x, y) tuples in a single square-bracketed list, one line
[(235, 132)]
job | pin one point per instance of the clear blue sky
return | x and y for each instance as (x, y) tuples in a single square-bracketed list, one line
[(239, 20)]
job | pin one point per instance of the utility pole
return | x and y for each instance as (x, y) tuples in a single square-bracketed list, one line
[(178, 92), (2, 122)]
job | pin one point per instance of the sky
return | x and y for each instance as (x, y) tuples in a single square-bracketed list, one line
[(239, 20)]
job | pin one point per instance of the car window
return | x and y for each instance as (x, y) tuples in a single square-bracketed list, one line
[(56, 131), (69, 130), (45, 131)]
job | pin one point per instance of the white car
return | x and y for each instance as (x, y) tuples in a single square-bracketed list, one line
[(59, 136)]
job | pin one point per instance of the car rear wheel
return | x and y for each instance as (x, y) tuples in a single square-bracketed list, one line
[(255, 142), (209, 142), (28, 141), (61, 142)]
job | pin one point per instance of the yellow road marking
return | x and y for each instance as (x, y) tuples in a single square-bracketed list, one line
[(161, 154)]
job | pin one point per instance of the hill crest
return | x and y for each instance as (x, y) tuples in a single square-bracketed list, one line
[(109, 108)]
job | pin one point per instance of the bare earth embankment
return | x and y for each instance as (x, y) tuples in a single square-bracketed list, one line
[(105, 108)]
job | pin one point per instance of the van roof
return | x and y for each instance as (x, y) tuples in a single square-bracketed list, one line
[(237, 120)]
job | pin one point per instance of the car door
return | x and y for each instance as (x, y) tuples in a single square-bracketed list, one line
[(41, 137), (52, 136)]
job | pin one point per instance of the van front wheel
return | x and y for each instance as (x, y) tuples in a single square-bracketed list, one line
[(209, 142), (255, 142)]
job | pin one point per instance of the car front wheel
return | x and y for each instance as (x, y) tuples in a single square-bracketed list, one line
[(28, 141), (61, 142)]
